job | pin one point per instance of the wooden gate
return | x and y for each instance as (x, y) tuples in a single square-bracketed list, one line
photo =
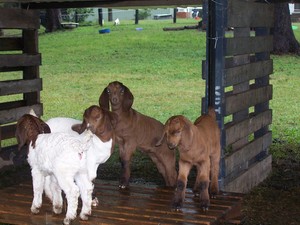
[(238, 66), (20, 84)]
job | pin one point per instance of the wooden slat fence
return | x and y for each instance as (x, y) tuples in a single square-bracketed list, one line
[(244, 95), (20, 83)]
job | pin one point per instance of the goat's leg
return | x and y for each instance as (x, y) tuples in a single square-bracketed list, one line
[(126, 152), (203, 183), (184, 169), (214, 173), (57, 201), (71, 190), (38, 187), (86, 189)]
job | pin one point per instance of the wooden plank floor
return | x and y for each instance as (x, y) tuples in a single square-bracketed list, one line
[(140, 204)]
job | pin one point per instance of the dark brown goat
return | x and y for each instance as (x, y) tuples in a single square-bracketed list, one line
[(198, 145), (137, 131), (28, 128)]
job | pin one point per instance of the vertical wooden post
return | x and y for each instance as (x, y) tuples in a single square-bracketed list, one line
[(110, 15), (100, 17), (174, 15), (136, 21)]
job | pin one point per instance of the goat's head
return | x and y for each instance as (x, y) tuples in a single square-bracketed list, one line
[(118, 95), (100, 121), (176, 131), (28, 128)]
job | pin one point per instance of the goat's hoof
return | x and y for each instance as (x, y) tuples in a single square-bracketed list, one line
[(177, 206), (204, 205), (57, 209), (66, 221), (95, 202), (35, 210), (84, 217), (122, 186), (204, 209)]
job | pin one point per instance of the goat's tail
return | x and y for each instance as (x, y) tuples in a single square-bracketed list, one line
[(211, 112)]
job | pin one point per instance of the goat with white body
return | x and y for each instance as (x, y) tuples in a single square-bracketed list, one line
[(63, 158), (100, 122)]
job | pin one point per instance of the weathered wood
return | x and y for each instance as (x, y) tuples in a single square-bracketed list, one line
[(17, 60), (237, 131), (32, 4), (20, 86), (238, 160), (13, 104), (11, 43), (249, 14), (19, 18), (244, 100), (251, 177), (248, 45), (140, 204), (246, 72), (12, 115)]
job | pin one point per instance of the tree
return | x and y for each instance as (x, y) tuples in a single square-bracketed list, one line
[(284, 39), (52, 20)]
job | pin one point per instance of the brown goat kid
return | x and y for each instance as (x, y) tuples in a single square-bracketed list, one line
[(137, 131), (198, 145)]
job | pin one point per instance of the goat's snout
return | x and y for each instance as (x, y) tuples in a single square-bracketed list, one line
[(171, 145), (114, 100)]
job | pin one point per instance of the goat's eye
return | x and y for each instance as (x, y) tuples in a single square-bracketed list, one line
[(108, 91), (122, 90)]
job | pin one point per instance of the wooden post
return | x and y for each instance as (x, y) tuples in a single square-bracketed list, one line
[(174, 15), (100, 17), (136, 21), (110, 15)]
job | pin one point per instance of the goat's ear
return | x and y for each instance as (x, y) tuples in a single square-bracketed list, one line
[(113, 117), (163, 134), (187, 134), (128, 98), (104, 99), (79, 128)]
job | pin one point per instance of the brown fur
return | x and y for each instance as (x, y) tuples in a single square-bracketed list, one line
[(100, 121), (28, 128), (135, 130), (198, 145)]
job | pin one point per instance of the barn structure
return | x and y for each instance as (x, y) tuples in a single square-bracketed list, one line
[(237, 72)]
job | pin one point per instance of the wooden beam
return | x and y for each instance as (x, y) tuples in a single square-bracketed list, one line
[(20, 86), (109, 4), (11, 44), (19, 18), (17, 60)]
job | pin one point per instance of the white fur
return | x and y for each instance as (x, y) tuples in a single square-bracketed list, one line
[(62, 157), (98, 152)]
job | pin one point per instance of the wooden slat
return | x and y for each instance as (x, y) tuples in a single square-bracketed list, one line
[(12, 115), (17, 60), (19, 18), (11, 105), (251, 177), (244, 100), (248, 45), (140, 204), (20, 86), (237, 131), (11, 43), (246, 72), (8, 132), (238, 160), (249, 14)]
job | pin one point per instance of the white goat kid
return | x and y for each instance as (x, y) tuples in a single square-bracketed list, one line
[(63, 158)]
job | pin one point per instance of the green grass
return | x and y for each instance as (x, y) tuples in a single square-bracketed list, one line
[(162, 69)]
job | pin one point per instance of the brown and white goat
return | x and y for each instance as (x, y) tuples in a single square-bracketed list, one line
[(198, 145), (137, 131)]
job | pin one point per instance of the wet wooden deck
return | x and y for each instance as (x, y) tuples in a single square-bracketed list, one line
[(140, 204)]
